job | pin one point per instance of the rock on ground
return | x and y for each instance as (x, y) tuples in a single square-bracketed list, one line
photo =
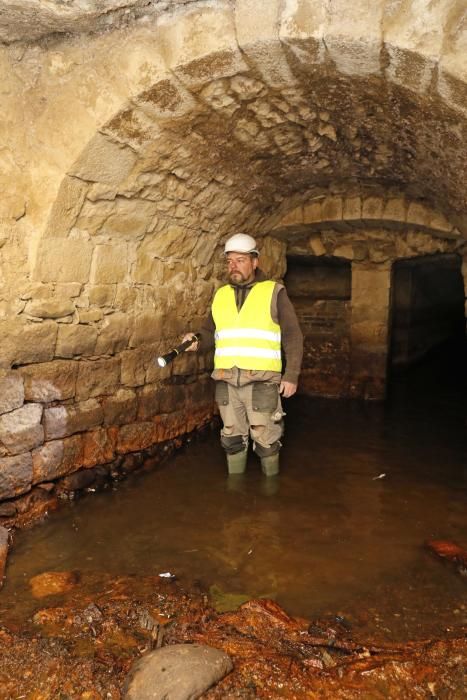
[(177, 672)]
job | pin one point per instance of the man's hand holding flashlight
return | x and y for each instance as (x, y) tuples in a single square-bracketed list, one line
[(194, 346)]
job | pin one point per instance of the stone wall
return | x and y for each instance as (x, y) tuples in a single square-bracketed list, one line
[(320, 289), (349, 357), (138, 136)]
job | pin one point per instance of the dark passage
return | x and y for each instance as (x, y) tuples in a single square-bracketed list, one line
[(427, 307), (341, 531)]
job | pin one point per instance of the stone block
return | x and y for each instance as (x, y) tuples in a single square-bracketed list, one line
[(21, 429), (63, 260), (104, 161), (302, 20), (370, 289), (409, 68), (174, 241), (76, 340), (125, 298), (93, 215), (148, 270), (327, 130), (382, 252), (72, 453), (120, 408), (49, 381), (137, 436), (15, 475), (47, 462), (50, 308), (439, 222), (11, 391), (102, 294), (418, 214), (316, 245), (344, 251), (421, 242), (395, 209), (114, 334), (27, 343), (201, 45), (62, 421), (372, 208), (97, 448), (66, 208), (258, 36), (165, 99), (109, 264), (312, 212), (295, 216), (134, 366), (452, 89), (358, 57), (352, 209), (148, 402), (97, 378), (149, 328), (90, 316), (69, 290), (129, 218), (253, 26), (369, 333), (331, 208), (36, 290), (173, 397)]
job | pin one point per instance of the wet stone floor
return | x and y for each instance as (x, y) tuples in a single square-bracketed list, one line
[(339, 536)]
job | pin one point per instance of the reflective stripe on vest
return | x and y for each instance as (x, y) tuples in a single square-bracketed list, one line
[(248, 339)]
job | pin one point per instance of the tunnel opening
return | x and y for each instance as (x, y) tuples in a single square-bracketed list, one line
[(320, 289), (427, 313)]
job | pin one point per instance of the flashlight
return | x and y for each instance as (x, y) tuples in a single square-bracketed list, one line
[(164, 360)]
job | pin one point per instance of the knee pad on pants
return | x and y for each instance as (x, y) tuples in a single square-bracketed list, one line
[(233, 443), (262, 451)]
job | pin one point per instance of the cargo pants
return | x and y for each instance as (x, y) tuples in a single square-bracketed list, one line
[(253, 409)]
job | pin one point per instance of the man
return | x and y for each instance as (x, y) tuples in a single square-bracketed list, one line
[(253, 322)]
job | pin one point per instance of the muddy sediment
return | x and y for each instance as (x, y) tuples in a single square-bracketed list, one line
[(88, 630)]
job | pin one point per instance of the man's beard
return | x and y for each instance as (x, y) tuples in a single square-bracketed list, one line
[(237, 278)]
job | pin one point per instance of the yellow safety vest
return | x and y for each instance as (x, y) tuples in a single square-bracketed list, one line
[(249, 338)]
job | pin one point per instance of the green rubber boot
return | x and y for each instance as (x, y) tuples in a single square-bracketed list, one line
[(270, 465), (236, 463)]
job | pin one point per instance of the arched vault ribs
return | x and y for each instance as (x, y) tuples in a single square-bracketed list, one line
[(347, 336)]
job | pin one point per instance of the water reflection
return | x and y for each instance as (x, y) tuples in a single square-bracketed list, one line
[(341, 529)]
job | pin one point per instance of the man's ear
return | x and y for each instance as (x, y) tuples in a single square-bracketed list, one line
[(255, 262)]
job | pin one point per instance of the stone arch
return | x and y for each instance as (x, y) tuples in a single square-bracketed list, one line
[(372, 232), (248, 96)]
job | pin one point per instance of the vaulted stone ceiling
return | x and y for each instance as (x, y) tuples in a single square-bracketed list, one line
[(154, 129), (137, 135)]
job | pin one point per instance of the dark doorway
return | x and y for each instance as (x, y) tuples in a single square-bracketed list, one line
[(320, 289), (427, 308)]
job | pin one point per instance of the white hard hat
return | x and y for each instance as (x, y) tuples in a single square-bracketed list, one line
[(241, 243)]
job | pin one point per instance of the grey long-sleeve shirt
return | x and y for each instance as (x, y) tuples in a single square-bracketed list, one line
[(283, 313)]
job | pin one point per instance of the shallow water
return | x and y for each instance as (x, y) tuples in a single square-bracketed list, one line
[(340, 531)]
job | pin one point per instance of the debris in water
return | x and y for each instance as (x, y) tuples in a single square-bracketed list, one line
[(450, 551), (168, 575), (380, 476)]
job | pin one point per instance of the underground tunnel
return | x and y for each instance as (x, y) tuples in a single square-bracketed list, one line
[(137, 137)]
